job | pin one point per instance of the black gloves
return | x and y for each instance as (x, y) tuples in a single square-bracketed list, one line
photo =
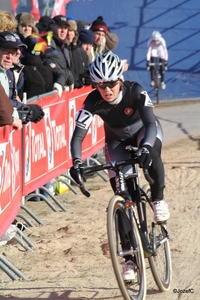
[(78, 84), (144, 156), (76, 170), (37, 111), (25, 114), (30, 113), (148, 65)]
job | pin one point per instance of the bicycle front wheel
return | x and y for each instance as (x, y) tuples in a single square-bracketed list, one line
[(135, 290), (160, 263)]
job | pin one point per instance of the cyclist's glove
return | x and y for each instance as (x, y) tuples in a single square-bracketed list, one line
[(166, 65), (77, 170), (144, 156), (148, 65)]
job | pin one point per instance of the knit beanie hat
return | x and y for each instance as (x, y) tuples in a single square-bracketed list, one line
[(99, 25), (72, 25), (86, 36), (111, 40)]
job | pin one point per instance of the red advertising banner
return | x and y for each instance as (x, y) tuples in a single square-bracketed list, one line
[(46, 154), (10, 175), (40, 152)]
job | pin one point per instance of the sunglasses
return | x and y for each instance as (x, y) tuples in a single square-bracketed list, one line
[(109, 84)]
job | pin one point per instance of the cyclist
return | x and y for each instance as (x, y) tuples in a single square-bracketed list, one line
[(127, 112), (157, 49)]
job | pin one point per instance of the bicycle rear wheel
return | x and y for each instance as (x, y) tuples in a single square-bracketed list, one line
[(133, 290), (160, 264)]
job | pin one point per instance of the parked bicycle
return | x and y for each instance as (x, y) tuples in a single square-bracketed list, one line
[(132, 233)]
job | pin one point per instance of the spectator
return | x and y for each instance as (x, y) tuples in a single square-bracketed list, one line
[(79, 58), (112, 41), (156, 48), (15, 74), (57, 55), (7, 21), (81, 24), (43, 24), (6, 111), (86, 37), (26, 25), (100, 30), (9, 45), (38, 79)]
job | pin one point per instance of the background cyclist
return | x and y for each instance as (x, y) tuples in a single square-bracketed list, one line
[(157, 49)]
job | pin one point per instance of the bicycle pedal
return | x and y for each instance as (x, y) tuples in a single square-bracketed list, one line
[(128, 283), (161, 223)]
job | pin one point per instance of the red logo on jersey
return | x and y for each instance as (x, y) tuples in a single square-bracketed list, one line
[(128, 111)]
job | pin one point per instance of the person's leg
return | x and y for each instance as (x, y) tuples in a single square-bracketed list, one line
[(162, 69), (152, 70), (156, 171)]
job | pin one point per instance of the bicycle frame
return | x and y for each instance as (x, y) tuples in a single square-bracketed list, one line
[(121, 190), (129, 204), (157, 78)]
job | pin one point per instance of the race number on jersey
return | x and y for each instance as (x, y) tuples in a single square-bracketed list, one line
[(83, 118), (148, 101)]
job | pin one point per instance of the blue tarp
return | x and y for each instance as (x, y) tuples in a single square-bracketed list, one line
[(134, 21)]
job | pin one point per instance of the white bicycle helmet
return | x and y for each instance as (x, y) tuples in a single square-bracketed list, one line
[(106, 67), (156, 35)]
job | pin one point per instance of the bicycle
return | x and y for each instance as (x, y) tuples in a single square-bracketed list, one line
[(144, 238), (156, 77)]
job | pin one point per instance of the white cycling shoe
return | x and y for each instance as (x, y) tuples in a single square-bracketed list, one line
[(161, 212), (128, 273)]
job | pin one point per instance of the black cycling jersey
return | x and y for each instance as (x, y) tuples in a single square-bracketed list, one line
[(124, 119), (130, 122)]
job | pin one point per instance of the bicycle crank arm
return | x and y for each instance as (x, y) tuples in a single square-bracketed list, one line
[(127, 252)]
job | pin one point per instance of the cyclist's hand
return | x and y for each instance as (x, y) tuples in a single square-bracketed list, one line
[(166, 65), (148, 65), (77, 170), (144, 156)]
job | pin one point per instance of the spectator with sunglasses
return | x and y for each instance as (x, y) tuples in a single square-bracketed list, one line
[(127, 112)]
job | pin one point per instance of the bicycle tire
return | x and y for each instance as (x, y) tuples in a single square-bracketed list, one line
[(160, 264), (137, 290)]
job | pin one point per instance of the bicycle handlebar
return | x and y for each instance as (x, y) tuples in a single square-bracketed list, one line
[(111, 165), (156, 64)]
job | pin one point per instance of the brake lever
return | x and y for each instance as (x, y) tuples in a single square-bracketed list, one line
[(84, 191), (148, 177)]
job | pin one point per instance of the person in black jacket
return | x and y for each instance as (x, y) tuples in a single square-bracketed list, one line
[(38, 79), (78, 56), (57, 55)]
